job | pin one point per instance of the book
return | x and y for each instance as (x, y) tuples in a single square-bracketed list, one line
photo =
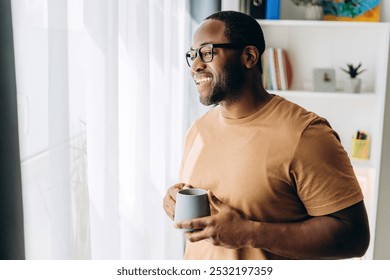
[(264, 65), (271, 69), (272, 9), (277, 71), (282, 69), (287, 69)]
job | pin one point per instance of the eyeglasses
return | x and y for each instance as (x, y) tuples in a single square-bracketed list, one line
[(206, 52)]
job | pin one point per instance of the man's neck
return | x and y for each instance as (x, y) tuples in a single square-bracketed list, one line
[(249, 103)]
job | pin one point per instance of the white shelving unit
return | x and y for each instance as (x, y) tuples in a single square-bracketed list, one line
[(331, 44)]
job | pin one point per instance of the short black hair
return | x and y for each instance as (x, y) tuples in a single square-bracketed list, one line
[(242, 29)]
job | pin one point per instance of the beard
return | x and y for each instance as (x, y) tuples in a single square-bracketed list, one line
[(228, 86)]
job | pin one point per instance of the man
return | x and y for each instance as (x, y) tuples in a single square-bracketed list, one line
[(280, 184)]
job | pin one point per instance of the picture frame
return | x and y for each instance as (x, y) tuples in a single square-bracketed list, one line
[(353, 10), (324, 79)]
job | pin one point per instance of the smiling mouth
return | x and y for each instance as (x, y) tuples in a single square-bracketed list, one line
[(202, 80)]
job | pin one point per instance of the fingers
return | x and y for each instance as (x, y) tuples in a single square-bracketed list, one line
[(202, 229), (226, 228), (196, 236), (172, 191), (215, 202), (198, 223), (169, 201), (169, 206)]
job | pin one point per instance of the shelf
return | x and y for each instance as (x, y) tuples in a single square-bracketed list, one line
[(333, 44), (362, 163), (319, 23), (314, 94)]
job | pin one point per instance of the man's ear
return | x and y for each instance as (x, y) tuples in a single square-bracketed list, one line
[(250, 56)]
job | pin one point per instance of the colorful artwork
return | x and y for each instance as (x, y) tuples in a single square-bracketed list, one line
[(351, 10)]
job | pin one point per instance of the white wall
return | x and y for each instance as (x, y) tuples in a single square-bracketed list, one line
[(382, 242)]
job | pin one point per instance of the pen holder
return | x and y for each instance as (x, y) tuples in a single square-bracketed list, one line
[(360, 149)]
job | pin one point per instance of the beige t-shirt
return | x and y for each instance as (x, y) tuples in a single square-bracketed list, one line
[(281, 164)]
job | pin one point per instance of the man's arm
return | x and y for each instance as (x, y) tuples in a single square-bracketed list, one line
[(343, 234)]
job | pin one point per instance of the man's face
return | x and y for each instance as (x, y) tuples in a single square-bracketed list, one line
[(223, 77)]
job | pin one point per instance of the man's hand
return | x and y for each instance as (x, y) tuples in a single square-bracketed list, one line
[(226, 226), (169, 201)]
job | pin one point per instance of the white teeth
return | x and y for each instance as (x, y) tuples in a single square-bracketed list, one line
[(202, 80)]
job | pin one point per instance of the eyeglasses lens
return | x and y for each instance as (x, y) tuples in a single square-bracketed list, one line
[(205, 53)]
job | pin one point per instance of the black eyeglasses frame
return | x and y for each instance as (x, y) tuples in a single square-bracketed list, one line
[(190, 60)]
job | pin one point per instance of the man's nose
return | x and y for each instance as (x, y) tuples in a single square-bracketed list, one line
[(198, 65)]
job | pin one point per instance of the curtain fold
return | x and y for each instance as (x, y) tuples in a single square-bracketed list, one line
[(102, 120), (152, 83), (11, 208)]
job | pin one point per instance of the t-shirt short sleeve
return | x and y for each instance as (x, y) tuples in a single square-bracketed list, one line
[(322, 171)]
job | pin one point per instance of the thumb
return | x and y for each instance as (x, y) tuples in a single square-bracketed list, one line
[(187, 186), (215, 202)]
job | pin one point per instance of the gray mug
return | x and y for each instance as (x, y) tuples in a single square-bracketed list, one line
[(191, 203)]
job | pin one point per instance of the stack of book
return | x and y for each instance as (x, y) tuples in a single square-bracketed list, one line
[(277, 72)]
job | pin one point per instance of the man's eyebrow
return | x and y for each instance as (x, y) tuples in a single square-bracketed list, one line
[(201, 45)]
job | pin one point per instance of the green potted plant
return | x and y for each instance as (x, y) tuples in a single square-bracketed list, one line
[(354, 83)]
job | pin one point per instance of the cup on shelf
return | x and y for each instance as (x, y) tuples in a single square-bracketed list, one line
[(360, 148)]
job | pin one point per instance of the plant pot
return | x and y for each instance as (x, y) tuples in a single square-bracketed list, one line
[(313, 12), (353, 85)]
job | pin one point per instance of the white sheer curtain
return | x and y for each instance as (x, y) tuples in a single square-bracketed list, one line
[(102, 95)]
